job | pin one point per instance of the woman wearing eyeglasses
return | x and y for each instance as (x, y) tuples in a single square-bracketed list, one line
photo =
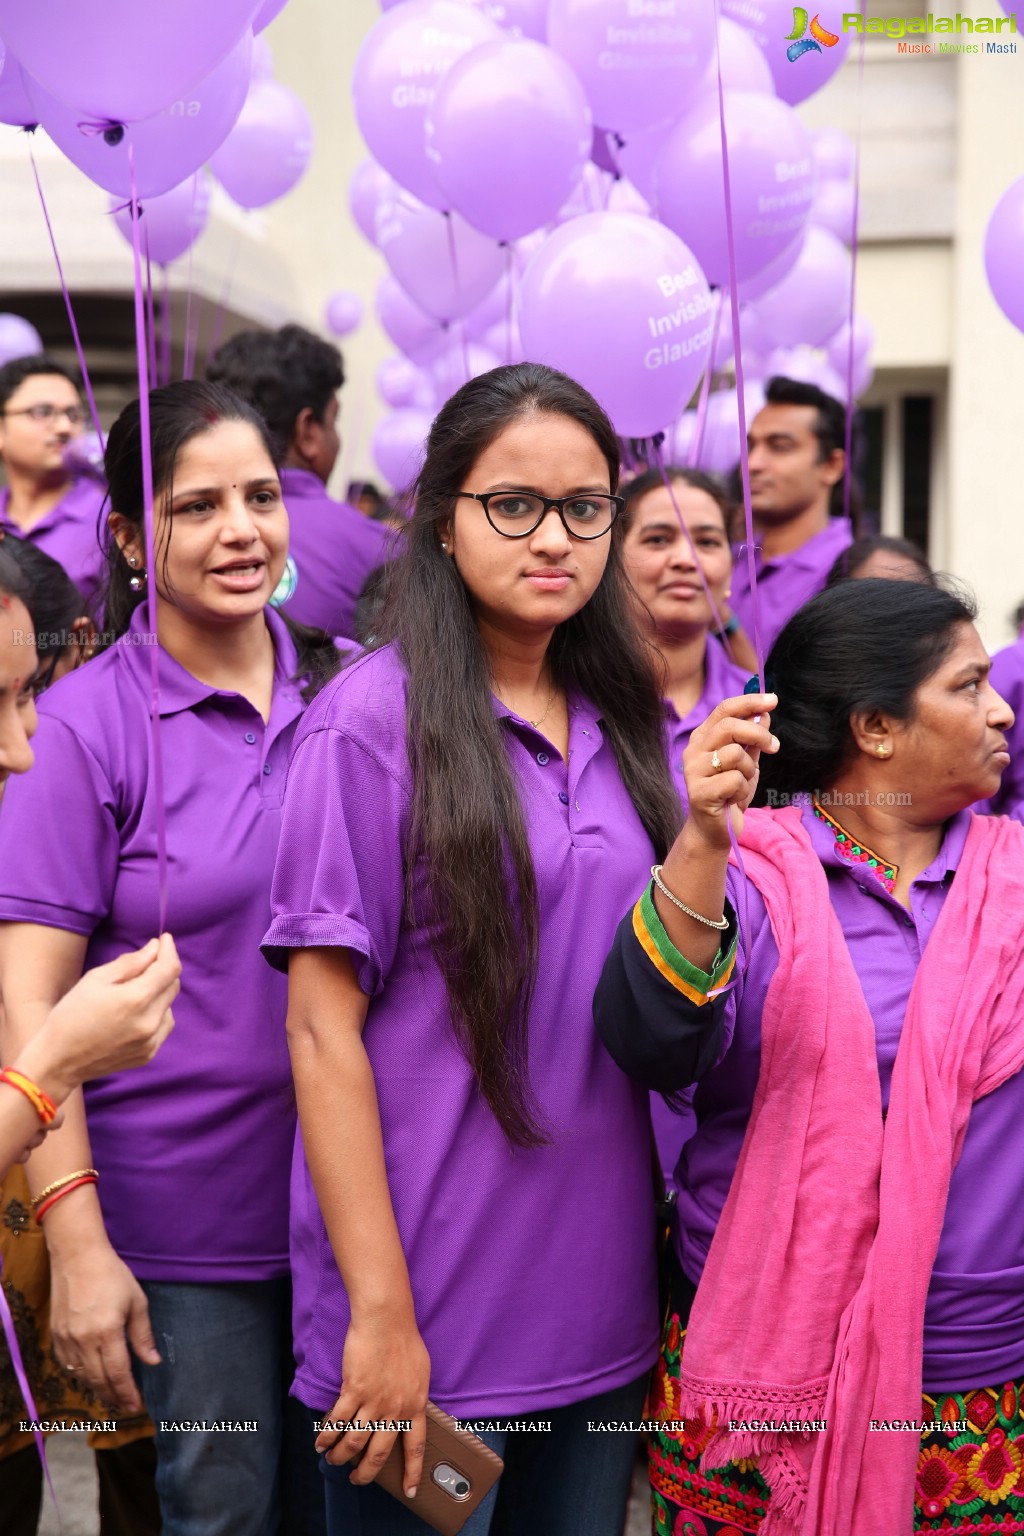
[(40, 414), (466, 806)]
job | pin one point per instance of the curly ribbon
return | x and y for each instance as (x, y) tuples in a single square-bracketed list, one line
[(94, 413), (156, 755), (18, 1363)]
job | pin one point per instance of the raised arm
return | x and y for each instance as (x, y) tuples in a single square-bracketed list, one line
[(654, 1007), (385, 1365)]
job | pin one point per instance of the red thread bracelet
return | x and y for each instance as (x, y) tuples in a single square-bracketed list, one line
[(49, 1204)]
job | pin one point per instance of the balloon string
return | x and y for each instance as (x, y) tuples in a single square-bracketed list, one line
[(659, 459), (848, 467), (705, 389), (510, 270), (17, 1361), (156, 756), (190, 339), (165, 329), (87, 383), (748, 515), (154, 377), (453, 255)]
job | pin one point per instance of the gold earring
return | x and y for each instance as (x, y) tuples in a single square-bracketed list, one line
[(882, 750)]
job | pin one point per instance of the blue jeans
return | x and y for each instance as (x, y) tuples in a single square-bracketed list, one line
[(227, 1355), (571, 1482)]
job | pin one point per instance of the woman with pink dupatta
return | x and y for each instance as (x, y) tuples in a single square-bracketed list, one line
[(843, 1351)]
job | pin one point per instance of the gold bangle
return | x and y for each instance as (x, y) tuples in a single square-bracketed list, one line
[(69, 1178), (709, 922)]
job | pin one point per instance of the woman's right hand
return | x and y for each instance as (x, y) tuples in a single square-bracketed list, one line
[(385, 1374), (732, 737), (117, 1016), (95, 1301)]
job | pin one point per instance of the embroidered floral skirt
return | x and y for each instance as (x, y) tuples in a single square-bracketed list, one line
[(966, 1482)]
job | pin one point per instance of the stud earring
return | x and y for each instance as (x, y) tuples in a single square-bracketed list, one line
[(138, 582), (881, 750), (444, 546)]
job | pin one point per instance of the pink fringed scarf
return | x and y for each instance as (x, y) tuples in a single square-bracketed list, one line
[(811, 1305)]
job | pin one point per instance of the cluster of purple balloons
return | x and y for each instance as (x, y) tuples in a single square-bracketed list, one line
[(145, 96), (547, 180)]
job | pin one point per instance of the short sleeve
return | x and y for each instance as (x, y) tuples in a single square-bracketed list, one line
[(338, 880), (59, 839)]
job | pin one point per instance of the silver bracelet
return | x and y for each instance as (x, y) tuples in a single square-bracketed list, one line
[(708, 922)]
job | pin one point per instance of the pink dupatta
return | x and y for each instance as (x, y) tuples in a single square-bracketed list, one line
[(811, 1305)]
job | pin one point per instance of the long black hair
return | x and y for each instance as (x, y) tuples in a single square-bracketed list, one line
[(860, 645), (177, 413), (467, 818)]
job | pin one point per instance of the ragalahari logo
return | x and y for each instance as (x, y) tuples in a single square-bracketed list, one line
[(818, 39)]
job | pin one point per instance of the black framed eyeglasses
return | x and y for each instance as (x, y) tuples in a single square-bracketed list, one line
[(46, 412), (514, 514)]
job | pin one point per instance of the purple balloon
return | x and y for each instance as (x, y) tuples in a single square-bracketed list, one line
[(123, 61), (397, 72), (15, 106), (600, 152), (1004, 248), (812, 299), (369, 187), (18, 338), (266, 153), (505, 341), (404, 323), (623, 197), (508, 134), (833, 208), (266, 13), (838, 347), (458, 365), (635, 69), (168, 148), (491, 311), (446, 267), (636, 155), (399, 442), (519, 18), (400, 383), (262, 59), (344, 312), (753, 287), (771, 25), (771, 176), (170, 224), (618, 302), (808, 367), (744, 66), (720, 446), (835, 156)]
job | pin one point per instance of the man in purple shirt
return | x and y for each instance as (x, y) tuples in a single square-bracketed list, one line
[(292, 377), (40, 414), (797, 459)]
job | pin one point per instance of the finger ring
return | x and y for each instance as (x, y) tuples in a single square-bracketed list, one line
[(72, 1370), (716, 761)]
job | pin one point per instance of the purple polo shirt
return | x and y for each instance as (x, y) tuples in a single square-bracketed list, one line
[(722, 680), (1007, 678), (974, 1317), (194, 1149), (787, 582), (334, 548), (532, 1271), (69, 533)]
